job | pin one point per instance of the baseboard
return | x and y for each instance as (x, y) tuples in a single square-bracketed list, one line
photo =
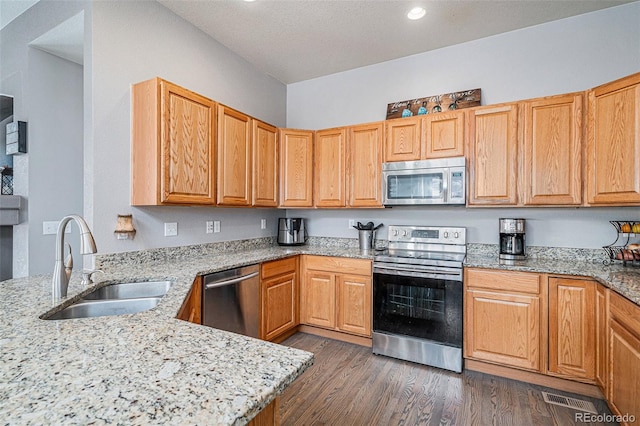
[(535, 378), (284, 336), (336, 335)]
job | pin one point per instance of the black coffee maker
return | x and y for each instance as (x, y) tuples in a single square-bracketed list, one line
[(512, 239)]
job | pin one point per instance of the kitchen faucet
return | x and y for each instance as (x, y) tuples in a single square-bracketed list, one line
[(62, 271)]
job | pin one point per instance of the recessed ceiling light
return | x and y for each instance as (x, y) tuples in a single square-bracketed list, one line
[(416, 13), (249, 1)]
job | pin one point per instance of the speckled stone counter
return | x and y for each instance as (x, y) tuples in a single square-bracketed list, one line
[(145, 368), (625, 280)]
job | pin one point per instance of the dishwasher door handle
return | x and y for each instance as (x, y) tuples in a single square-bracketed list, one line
[(231, 281)]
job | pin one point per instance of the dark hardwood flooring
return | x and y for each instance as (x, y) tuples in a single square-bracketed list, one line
[(348, 385)]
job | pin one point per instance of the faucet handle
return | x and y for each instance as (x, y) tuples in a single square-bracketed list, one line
[(86, 275), (68, 262)]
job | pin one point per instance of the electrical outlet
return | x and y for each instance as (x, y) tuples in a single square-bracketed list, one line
[(209, 227), (263, 223), (216, 226), (352, 223), (170, 229), (51, 227)]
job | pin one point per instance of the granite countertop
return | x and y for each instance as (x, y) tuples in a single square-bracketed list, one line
[(625, 280), (143, 368)]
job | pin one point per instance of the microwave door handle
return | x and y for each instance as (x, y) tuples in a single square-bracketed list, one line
[(446, 175)]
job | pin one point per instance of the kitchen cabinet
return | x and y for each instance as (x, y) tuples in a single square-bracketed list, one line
[(552, 147), (443, 135), (602, 333), (296, 168), (336, 294), (265, 165), (191, 309), (172, 146), (572, 328), (403, 139), (503, 318), (234, 158), (613, 143), (364, 164), (624, 357), (330, 175), (493, 145), (279, 289)]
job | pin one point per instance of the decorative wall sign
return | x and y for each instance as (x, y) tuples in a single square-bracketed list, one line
[(431, 104)]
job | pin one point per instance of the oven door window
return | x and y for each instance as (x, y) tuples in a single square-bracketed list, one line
[(424, 186), (418, 307)]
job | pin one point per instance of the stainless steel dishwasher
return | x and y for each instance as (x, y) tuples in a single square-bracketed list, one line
[(231, 300)]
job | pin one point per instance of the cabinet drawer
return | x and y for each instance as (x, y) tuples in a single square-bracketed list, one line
[(625, 312), (338, 265), (522, 282), (278, 267)]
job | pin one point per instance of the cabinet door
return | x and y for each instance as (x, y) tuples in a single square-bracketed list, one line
[(602, 330), (330, 168), (234, 158), (278, 305), (191, 309), (265, 165), (402, 142), (354, 304), (624, 370), (443, 135), (493, 144), (503, 328), (188, 161), (613, 143), (552, 161), (319, 299), (572, 328), (296, 168), (365, 165)]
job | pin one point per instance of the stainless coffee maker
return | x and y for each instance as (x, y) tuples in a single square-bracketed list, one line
[(292, 231), (512, 239)]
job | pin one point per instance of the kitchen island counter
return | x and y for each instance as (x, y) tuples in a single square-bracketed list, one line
[(143, 368)]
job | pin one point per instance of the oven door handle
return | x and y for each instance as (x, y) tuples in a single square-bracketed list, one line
[(455, 275)]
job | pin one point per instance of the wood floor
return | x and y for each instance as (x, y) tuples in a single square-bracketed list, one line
[(348, 385)]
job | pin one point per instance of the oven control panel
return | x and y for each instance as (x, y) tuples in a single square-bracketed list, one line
[(428, 234)]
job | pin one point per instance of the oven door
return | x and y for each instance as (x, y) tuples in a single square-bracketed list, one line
[(423, 308)]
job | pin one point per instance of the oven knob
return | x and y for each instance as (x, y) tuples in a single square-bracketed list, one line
[(404, 233), (395, 232), (446, 235), (456, 235)]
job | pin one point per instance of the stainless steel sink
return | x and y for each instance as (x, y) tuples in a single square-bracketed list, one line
[(130, 290), (101, 308)]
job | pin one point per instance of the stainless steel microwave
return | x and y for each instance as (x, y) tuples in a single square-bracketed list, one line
[(439, 181)]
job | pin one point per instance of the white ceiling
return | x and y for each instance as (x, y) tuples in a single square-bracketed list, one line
[(296, 40)]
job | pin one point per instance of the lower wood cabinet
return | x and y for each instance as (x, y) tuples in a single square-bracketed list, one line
[(191, 309), (502, 322), (335, 293), (572, 328), (279, 295), (602, 333), (623, 392)]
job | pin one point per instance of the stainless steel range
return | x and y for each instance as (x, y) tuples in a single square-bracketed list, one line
[(417, 296)]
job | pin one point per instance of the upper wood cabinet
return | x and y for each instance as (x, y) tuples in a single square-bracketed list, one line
[(613, 143), (296, 168), (403, 139), (330, 168), (493, 161), (572, 328), (552, 145), (173, 154), (265, 165), (443, 135), (234, 158), (364, 165)]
